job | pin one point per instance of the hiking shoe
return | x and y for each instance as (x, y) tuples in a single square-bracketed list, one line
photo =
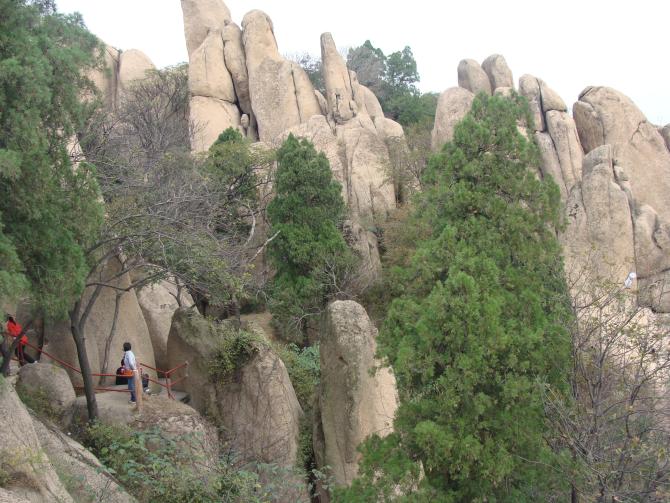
[(132, 401)]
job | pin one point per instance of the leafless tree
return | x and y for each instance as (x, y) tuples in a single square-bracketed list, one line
[(616, 423), (168, 213)]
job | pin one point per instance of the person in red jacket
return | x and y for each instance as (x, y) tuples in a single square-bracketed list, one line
[(14, 329)]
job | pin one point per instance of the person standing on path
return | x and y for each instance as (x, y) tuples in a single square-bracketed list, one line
[(130, 362)]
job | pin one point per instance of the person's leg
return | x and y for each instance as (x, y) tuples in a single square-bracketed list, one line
[(27, 357), (131, 387), (19, 355)]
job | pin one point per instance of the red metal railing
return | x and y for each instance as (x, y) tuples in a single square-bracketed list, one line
[(167, 374)]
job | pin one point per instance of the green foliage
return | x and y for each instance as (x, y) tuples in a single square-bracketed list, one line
[(304, 215), (230, 168), (304, 370), (401, 72), (313, 68), (369, 63), (478, 330), (154, 467), (49, 211), (236, 347), (5, 476), (411, 108), (393, 80)]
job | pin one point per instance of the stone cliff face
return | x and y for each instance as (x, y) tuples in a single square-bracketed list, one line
[(237, 78), (121, 69), (612, 168), (356, 398)]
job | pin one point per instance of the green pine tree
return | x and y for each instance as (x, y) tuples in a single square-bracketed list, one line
[(49, 212), (306, 213), (479, 330)]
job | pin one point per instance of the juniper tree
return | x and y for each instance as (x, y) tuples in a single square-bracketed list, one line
[(305, 214), (49, 211), (477, 331)]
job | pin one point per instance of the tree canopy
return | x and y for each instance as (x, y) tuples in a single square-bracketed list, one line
[(305, 213), (476, 333), (49, 211), (393, 80)]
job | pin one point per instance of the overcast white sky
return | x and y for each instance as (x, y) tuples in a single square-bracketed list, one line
[(569, 43)]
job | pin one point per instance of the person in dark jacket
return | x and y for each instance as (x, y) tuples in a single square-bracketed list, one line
[(121, 377)]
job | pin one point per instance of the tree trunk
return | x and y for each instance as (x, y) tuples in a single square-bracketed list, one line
[(110, 337), (237, 316), (80, 341), (7, 352)]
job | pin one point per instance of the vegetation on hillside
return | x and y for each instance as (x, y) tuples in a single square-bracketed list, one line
[(154, 467), (49, 210), (476, 334), (308, 250)]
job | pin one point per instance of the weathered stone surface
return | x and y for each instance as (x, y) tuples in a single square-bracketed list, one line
[(472, 77), (665, 133), (7, 497), (598, 241), (133, 65), (498, 72), (318, 131), (529, 88), (130, 327), (605, 116), (308, 104), (652, 254), (211, 117), (105, 79), (389, 129), (259, 39), (369, 193), (175, 420), (652, 242), (353, 403), (193, 340), (323, 104), (31, 475), (561, 127), (49, 383), (257, 406), (550, 165), (550, 99), (202, 17), (505, 92), (273, 98), (339, 92), (207, 72), (158, 303), (365, 100), (280, 91), (262, 413), (86, 478), (236, 63), (452, 106)]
